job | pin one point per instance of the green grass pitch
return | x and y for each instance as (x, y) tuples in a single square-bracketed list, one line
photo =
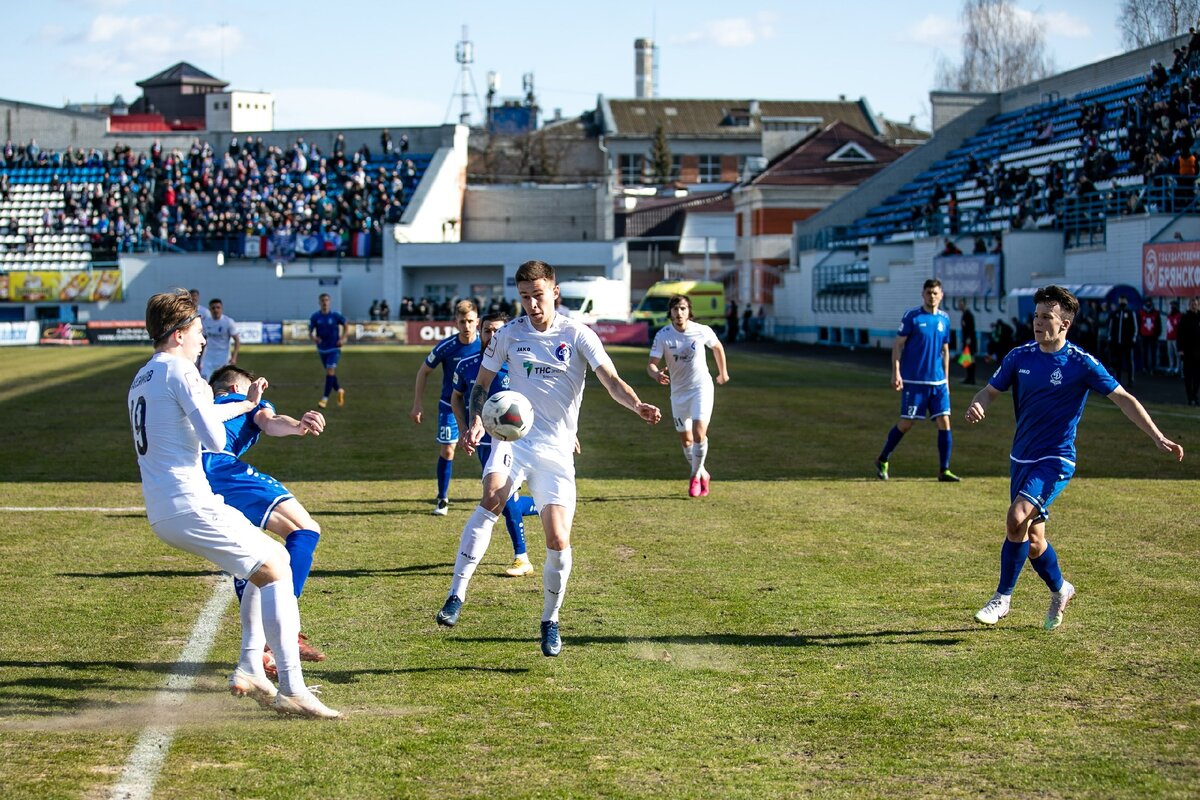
[(804, 631)]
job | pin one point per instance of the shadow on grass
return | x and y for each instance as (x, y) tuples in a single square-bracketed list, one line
[(38, 695), (412, 569), (345, 676), (146, 573), (848, 639)]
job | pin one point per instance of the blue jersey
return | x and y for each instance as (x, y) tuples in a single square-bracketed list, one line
[(1049, 393), (464, 380), (926, 336), (241, 432), (327, 326), (448, 352)]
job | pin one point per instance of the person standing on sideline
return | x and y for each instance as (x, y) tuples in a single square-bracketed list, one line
[(171, 413), (1149, 332), (1122, 327), (1188, 337), (221, 342), (447, 353), (1171, 337), (517, 507), (969, 343), (203, 311), (682, 343), (553, 353), (327, 328), (262, 500), (920, 364), (1050, 379)]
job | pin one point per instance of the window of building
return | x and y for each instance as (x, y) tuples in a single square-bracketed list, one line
[(709, 168), (851, 151), (632, 168), (676, 167)]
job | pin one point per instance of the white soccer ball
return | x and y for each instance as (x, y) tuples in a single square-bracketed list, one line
[(507, 416)]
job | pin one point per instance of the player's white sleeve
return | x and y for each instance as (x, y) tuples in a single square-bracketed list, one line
[(195, 397), (592, 348), (710, 337), (656, 347), (497, 351)]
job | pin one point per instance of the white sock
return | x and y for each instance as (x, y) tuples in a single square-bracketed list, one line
[(699, 453), (554, 582), (253, 637), (687, 453), (281, 623), (476, 536)]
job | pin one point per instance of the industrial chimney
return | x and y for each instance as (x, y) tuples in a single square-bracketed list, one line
[(643, 68)]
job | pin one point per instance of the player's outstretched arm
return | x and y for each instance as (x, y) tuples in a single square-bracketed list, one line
[(1136, 412), (474, 430), (722, 365), (273, 424), (418, 391), (620, 391), (980, 403)]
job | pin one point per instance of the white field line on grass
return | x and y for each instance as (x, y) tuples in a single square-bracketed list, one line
[(146, 761), (100, 509)]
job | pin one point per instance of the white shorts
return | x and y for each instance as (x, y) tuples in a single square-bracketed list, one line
[(550, 478), (222, 535), (692, 405)]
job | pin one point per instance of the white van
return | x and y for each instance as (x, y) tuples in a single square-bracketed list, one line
[(591, 299)]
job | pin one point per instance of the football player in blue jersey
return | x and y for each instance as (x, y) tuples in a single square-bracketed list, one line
[(327, 328), (920, 366), (263, 500), (1050, 379), (447, 353), (518, 507)]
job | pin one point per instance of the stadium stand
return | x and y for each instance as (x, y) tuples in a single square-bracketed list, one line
[(1063, 164), (57, 209)]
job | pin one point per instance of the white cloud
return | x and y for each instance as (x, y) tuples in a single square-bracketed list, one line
[(1060, 23), (320, 107), (149, 43), (932, 30), (732, 31)]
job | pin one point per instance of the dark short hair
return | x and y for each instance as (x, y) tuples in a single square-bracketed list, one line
[(932, 283), (535, 270), (1067, 303), (223, 379), (215, 300), (680, 300), (503, 316)]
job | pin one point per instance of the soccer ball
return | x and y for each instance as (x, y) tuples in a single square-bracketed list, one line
[(507, 416)]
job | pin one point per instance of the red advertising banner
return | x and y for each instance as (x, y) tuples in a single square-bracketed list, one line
[(430, 332), (632, 333), (1171, 269)]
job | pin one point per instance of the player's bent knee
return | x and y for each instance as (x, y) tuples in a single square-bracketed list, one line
[(272, 570)]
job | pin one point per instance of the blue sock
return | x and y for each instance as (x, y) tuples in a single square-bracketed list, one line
[(527, 507), (300, 546), (239, 586), (894, 437), (1012, 558), (945, 444), (445, 469), (336, 385), (1046, 566), (516, 525), (328, 386)]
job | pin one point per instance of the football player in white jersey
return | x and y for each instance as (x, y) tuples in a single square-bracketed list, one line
[(221, 342), (547, 355), (682, 343), (172, 413)]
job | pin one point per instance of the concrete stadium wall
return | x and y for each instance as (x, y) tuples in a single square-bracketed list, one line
[(52, 128), (508, 213)]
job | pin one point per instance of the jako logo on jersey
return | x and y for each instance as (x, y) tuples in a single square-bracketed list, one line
[(563, 353), (1056, 377), (1023, 371)]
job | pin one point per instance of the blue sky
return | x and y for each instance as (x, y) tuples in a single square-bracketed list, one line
[(393, 63)]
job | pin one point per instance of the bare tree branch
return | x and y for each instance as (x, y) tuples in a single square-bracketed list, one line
[(1001, 48), (1144, 22)]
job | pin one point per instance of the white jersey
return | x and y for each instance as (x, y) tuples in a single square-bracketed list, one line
[(164, 392), (549, 368), (687, 361), (217, 334)]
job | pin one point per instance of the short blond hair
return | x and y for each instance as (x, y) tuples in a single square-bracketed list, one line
[(464, 307)]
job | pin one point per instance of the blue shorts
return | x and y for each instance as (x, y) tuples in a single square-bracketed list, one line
[(447, 432), (329, 358), (1040, 482), (922, 401), (251, 492)]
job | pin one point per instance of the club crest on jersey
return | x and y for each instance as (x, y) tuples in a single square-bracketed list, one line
[(563, 353), (1056, 377)]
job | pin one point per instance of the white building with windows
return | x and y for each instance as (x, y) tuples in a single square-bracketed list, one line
[(239, 111)]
